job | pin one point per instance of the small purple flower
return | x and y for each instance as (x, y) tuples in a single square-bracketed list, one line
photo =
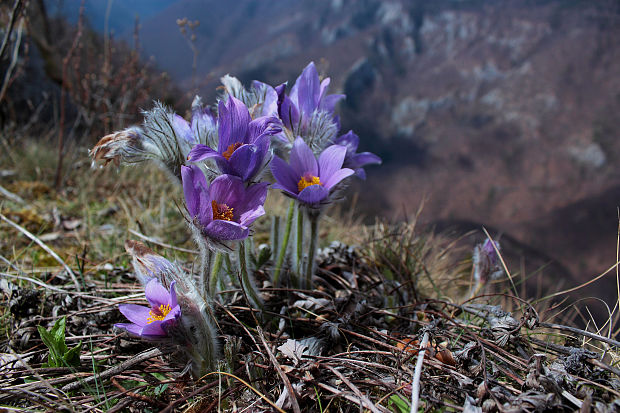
[(243, 143), (308, 110), (307, 95), (354, 160), (154, 321), (486, 261), (196, 131), (307, 180), (224, 210)]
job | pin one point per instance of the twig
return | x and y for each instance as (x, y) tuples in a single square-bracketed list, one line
[(45, 247), (415, 386), (63, 97), (161, 244), (281, 373), (369, 405), (10, 195), (582, 332), (114, 370), (9, 29), (13, 63)]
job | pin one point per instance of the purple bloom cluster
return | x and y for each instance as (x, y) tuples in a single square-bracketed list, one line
[(225, 209), (154, 321), (306, 179), (308, 95), (243, 143)]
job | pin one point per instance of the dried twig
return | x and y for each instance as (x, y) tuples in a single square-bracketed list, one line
[(415, 386)]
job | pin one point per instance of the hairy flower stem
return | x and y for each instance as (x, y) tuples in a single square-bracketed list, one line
[(206, 256), (299, 241), (246, 283), (215, 273), (284, 244), (314, 238)]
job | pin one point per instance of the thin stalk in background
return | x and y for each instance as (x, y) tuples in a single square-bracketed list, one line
[(246, 283), (313, 217), (284, 244), (215, 273), (299, 242)]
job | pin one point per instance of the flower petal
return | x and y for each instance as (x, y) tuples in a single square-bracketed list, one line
[(329, 102), (173, 294), (283, 188), (288, 112), (233, 117), (330, 161), (313, 194), (203, 124), (265, 125), (153, 329), (131, 328), (226, 230), (270, 102), (245, 162), (248, 217), (182, 129), (255, 195), (337, 177), (286, 177), (349, 140), (227, 189), (364, 158), (201, 152), (308, 89), (156, 294), (189, 189), (303, 160), (137, 314)]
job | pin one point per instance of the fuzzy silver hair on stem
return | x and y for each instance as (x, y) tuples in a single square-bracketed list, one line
[(193, 331), (165, 138)]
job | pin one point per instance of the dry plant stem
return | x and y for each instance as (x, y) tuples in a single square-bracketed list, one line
[(216, 266), (10, 195), (284, 244), (582, 332), (14, 59), (115, 370), (9, 30), (46, 248), (63, 97), (161, 244), (281, 373), (369, 405), (415, 386)]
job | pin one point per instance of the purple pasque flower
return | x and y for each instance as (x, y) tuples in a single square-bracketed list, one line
[(196, 131), (225, 209), (487, 264), (243, 143), (306, 179), (305, 103), (153, 321), (354, 160)]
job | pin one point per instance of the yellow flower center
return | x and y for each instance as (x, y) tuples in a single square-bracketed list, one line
[(158, 313), (308, 180), (229, 151), (222, 211)]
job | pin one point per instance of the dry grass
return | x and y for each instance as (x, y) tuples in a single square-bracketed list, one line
[(366, 316)]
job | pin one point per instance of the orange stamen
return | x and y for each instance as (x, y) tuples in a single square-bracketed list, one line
[(222, 211), (232, 148), (308, 180), (158, 313)]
